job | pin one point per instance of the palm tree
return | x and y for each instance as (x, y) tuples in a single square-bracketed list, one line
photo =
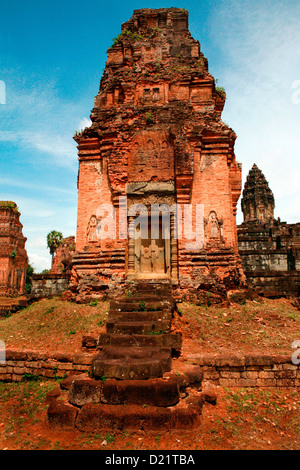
[(53, 241)]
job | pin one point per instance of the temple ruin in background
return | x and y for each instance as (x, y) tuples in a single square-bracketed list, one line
[(269, 248), (13, 259), (56, 281), (13, 256)]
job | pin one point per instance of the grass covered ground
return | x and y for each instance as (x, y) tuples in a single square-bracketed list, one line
[(268, 326), (241, 419), (53, 325), (252, 419)]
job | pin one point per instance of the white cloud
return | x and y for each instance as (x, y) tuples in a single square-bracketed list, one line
[(8, 136), (34, 208), (38, 262), (83, 123), (260, 44), (37, 118), (61, 148), (34, 185)]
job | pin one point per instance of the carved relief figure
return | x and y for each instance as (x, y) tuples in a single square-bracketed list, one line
[(152, 253), (91, 233), (213, 227)]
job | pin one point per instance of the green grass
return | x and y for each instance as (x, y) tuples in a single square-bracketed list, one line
[(52, 324), (23, 403), (269, 325)]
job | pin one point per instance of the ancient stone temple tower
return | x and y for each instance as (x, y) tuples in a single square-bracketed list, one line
[(269, 249), (158, 180), (257, 199), (13, 256)]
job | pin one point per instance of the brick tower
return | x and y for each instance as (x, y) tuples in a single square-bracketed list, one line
[(157, 143), (13, 256)]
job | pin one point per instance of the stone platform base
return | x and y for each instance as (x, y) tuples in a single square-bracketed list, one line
[(172, 402)]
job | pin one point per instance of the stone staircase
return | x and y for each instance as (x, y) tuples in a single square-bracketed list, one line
[(132, 383)]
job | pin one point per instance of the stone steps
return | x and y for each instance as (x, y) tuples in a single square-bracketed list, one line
[(130, 384), (131, 363), (132, 315), (138, 327), (142, 304), (155, 392), (93, 405), (8, 304), (171, 340), (96, 417)]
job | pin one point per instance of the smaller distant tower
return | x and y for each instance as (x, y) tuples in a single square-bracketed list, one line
[(13, 256), (257, 199)]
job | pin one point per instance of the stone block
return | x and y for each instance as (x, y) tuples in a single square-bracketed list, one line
[(53, 394), (83, 391), (6, 377), (230, 382), (17, 377), (286, 382), (61, 414), (83, 359), (98, 417), (155, 392), (131, 363), (250, 374), (266, 374), (247, 382), (228, 374), (66, 383), (266, 382), (19, 370)]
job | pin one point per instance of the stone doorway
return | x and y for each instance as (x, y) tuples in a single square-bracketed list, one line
[(152, 249), (152, 244), (152, 254)]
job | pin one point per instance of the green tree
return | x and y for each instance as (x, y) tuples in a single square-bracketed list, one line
[(54, 239)]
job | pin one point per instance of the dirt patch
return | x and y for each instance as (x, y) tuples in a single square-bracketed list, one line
[(250, 419)]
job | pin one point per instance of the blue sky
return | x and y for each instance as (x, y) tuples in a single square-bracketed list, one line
[(52, 55)]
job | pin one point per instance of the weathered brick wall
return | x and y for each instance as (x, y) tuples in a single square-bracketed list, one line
[(49, 285), (18, 363), (63, 256), (251, 370), (225, 370)]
